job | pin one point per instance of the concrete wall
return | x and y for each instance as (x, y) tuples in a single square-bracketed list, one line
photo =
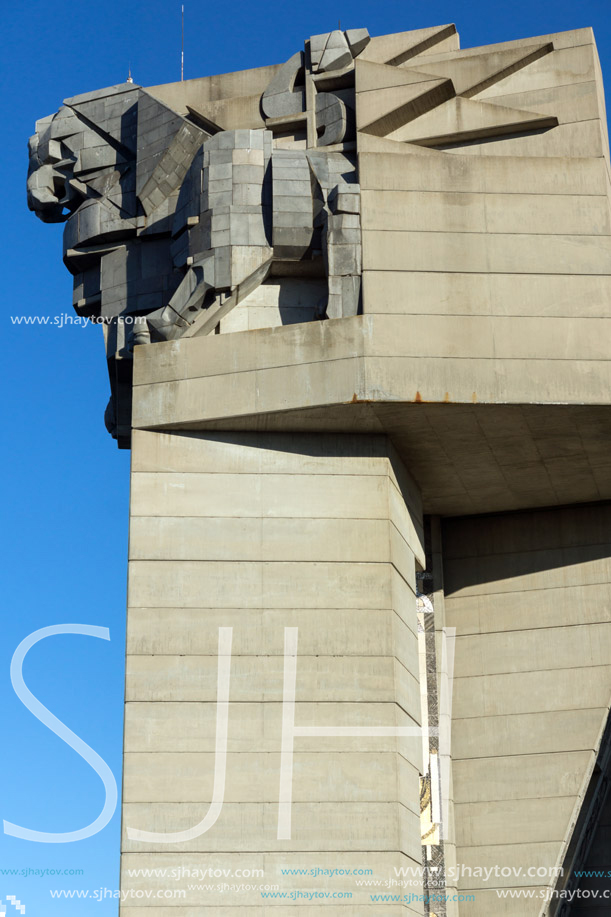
[(507, 239), (530, 597), (261, 532), (484, 352)]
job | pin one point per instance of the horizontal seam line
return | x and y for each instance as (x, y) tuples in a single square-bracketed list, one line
[(526, 630), (487, 232), (492, 315), (529, 714), (602, 194), (524, 590), (256, 369), (491, 232), (588, 666)]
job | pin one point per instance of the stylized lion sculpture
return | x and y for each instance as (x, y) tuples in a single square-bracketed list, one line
[(171, 221)]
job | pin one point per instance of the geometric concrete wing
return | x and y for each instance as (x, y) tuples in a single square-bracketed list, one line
[(379, 114), (402, 46), (473, 73), (370, 76), (459, 120)]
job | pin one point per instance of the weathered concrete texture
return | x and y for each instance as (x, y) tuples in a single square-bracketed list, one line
[(260, 532), (278, 301), (529, 595), (388, 262), (385, 372)]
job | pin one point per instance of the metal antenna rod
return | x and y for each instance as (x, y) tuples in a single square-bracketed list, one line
[(182, 46)]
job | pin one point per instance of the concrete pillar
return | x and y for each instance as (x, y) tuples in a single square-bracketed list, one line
[(529, 595), (259, 532)]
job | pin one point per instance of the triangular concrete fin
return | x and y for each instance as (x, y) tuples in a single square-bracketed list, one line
[(369, 143), (394, 49), (474, 73), (370, 76), (382, 111), (460, 120)]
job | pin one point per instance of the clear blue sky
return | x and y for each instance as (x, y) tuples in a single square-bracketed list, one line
[(65, 485)]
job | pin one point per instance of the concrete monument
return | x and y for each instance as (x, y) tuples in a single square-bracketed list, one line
[(356, 312)]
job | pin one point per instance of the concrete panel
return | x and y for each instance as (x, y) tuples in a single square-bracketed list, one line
[(552, 648), (362, 679), (532, 692), (194, 631), (246, 827), (272, 453), (545, 569), (444, 293), (318, 777), (504, 337), (483, 902), (430, 211), (551, 529), (482, 866), (236, 869), (247, 538), (489, 381), (559, 607), (435, 171), (244, 352), (530, 776), (257, 727), (220, 584), (500, 252), (529, 734), (407, 526), (482, 824), (252, 495), (250, 391)]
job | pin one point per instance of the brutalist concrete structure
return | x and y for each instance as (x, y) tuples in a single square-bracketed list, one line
[(357, 312)]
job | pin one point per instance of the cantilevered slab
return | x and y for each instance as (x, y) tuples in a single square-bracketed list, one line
[(454, 398)]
